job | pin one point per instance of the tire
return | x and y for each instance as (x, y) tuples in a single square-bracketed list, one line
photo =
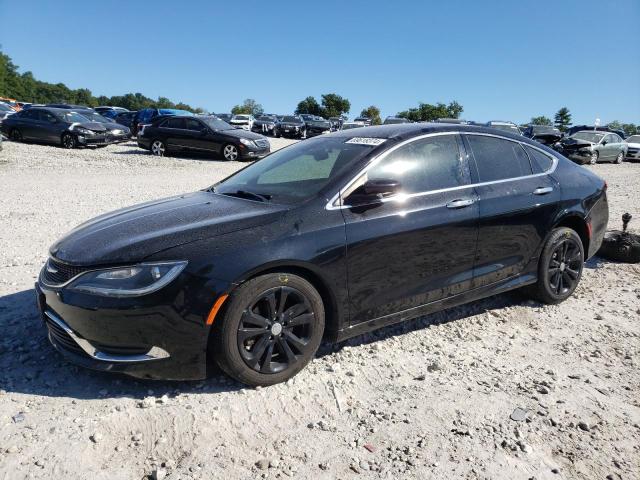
[(68, 140), (230, 152), (620, 248), (279, 339), (16, 135), (619, 158), (559, 268), (158, 148), (595, 156)]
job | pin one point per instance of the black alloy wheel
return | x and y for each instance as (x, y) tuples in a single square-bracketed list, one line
[(275, 331), (271, 327), (69, 140), (560, 267)]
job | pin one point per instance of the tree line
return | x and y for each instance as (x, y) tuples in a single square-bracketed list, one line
[(24, 87)]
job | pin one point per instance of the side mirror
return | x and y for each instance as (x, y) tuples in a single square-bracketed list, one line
[(381, 186), (373, 191), (604, 142)]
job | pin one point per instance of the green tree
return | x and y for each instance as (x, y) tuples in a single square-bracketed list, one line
[(562, 120), (309, 105), (541, 120), (373, 113), (425, 112), (333, 105), (248, 107), (630, 128)]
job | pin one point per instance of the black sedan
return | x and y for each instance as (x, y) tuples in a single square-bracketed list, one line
[(317, 126), (205, 134), (291, 126), (330, 237), (55, 125)]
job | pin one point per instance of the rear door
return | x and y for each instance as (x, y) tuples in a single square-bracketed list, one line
[(517, 204), (28, 123), (174, 131), (418, 246)]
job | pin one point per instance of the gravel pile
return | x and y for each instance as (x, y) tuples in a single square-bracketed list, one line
[(502, 388)]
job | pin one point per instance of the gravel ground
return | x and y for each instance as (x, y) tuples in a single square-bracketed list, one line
[(502, 388)]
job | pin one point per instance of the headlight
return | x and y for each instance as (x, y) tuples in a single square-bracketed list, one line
[(248, 143), (132, 281), (116, 132), (83, 131)]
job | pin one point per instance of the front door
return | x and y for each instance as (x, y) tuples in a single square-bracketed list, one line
[(418, 246), (517, 206)]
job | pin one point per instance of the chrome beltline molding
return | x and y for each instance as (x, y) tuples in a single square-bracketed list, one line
[(333, 204)]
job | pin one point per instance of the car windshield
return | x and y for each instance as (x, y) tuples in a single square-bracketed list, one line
[(173, 111), (5, 108), (588, 136), (241, 117), (633, 139), (266, 118), (216, 123), (290, 119), (73, 117), (296, 173), (347, 126), (94, 117)]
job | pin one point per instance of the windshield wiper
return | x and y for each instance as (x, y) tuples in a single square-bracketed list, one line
[(261, 197)]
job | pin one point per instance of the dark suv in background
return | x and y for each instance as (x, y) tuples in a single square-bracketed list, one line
[(207, 134), (147, 115)]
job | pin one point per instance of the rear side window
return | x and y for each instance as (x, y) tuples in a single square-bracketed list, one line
[(173, 123), (428, 164), (539, 161), (498, 159)]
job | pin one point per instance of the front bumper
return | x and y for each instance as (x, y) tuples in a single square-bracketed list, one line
[(633, 155), (163, 335), (248, 152), (244, 126)]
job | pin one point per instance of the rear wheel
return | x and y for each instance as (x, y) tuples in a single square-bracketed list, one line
[(16, 135), (271, 329), (68, 140), (158, 148), (560, 267), (619, 158)]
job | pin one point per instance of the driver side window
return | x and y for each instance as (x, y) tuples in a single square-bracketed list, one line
[(424, 165)]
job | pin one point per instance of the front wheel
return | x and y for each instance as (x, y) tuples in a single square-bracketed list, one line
[(69, 141), (593, 159), (619, 158), (560, 267), (272, 328), (230, 152)]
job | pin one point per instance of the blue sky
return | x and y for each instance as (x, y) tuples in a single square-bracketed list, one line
[(500, 59)]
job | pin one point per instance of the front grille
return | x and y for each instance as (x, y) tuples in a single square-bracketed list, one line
[(62, 338), (262, 143), (57, 273), (633, 151)]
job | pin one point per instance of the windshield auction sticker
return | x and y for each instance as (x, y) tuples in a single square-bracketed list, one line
[(366, 141)]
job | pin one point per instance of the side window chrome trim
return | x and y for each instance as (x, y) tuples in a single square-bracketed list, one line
[(333, 203)]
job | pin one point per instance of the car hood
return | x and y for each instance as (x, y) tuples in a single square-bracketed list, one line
[(239, 133), (134, 233), (94, 126), (633, 144), (291, 124), (116, 126), (576, 142)]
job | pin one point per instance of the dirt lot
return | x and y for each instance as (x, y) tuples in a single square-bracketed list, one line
[(503, 388)]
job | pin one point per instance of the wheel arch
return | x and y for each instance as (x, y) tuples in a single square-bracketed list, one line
[(577, 223)]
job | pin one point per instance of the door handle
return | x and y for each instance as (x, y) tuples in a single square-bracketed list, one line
[(461, 203), (542, 190)]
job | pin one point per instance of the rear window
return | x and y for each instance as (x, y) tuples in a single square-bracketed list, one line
[(540, 162), (498, 159)]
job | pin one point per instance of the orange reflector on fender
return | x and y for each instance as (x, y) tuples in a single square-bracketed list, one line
[(216, 307)]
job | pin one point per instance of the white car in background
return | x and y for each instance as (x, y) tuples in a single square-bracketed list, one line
[(633, 150), (242, 121)]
